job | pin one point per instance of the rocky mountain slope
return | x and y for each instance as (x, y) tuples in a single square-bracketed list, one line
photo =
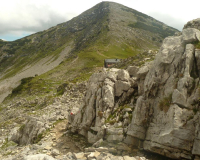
[(155, 107), (108, 30)]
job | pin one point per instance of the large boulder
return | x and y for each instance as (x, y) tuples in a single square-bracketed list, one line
[(29, 133)]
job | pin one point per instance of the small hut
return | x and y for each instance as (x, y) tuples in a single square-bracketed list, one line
[(110, 62)]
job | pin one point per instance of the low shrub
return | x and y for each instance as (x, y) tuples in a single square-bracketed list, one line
[(61, 88), (19, 89), (165, 103)]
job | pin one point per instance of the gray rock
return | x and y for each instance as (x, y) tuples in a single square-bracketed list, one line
[(132, 70), (98, 143), (189, 56), (28, 132), (93, 155), (191, 35), (193, 24), (121, 86), (92, 138), (80, 155), (133, 82), (70, 156), (179, 99), (139, 120), (142, 72), (38, 157), (115, 138), (129, 158), (55, 152), (123, 75), (196, 147)]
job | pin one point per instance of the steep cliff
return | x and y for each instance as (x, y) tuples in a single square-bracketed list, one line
[(170, 100), (165, 118)]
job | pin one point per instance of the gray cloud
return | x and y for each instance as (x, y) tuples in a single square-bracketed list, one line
[(169, 20), (29, 19), (41, 25)]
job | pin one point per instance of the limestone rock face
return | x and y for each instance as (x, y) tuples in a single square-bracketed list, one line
[(103, 106), (163, 99), (166, 116)]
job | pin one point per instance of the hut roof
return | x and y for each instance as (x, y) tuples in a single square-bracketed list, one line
[(112, 60)]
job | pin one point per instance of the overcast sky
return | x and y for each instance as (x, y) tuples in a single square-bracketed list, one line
[(19, 18)]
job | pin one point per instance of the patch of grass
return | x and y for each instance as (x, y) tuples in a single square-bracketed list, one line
[(197, 44), (130, 116), (58, 121), (40, 136), (118, 112), (190, 117), (1, 108), (22, 86), (111, 117), (32, 86), (47, 100), (195, 110), (81, 77), (165, 103), (5, 123), (7, 144), (22, 128), (61, 88), (7, 153), (120, 52)]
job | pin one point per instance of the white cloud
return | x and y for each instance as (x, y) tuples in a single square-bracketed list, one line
[(29, 17)]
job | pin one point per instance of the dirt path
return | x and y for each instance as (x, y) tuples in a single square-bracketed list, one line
[(74, 60), (99, 53), (66, 142)]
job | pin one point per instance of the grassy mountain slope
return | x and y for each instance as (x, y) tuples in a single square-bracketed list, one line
[(79, 46)]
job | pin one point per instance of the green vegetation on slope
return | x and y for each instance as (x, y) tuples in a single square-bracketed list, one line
[(92, 38)]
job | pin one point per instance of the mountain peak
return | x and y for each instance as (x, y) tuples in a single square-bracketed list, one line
[(107, 30)]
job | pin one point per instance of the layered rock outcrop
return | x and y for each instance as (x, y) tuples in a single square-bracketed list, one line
[(165, 118), (104, 106), (169, 121)]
